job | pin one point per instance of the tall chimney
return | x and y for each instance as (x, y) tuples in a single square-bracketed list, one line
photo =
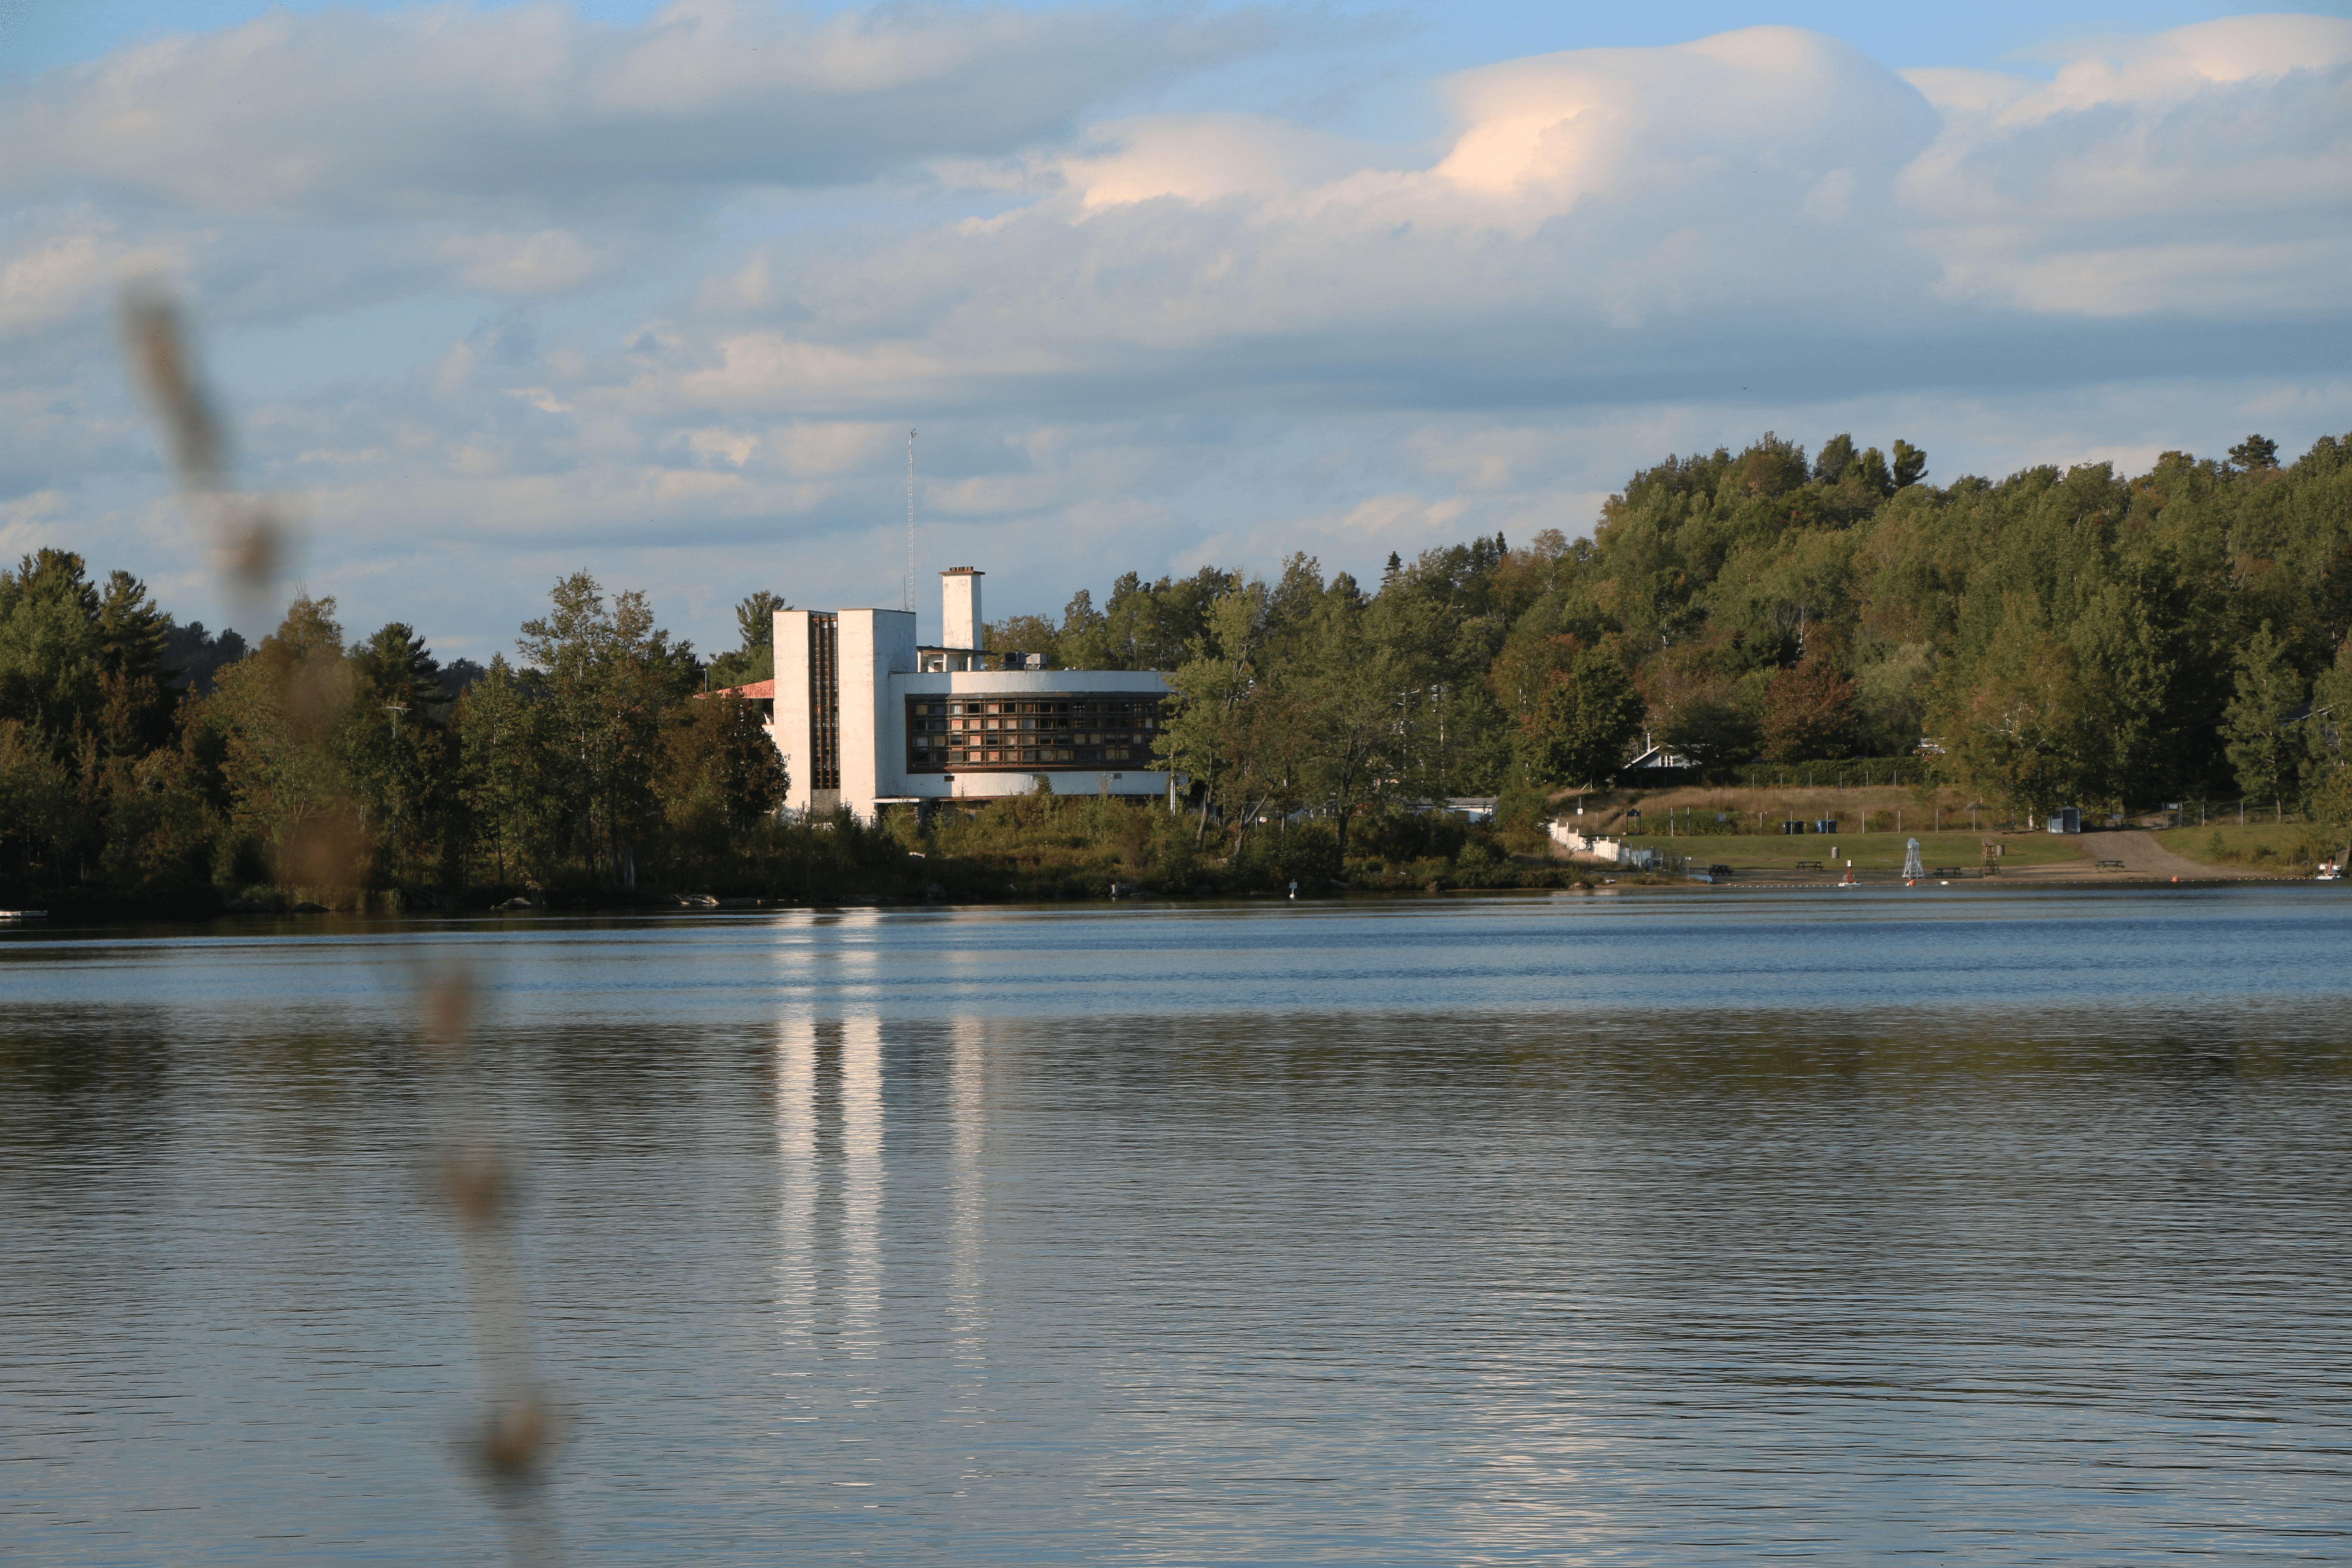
[(959, 596)]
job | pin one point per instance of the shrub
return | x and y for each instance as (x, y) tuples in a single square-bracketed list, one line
[(1307, 853)]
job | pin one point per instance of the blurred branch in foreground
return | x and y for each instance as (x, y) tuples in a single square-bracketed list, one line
[(301, 685), (248, 536), (517, 1430)]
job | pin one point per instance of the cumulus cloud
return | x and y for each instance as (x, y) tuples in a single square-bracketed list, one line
[(2204, 172), (355, 114), (1601, 224), (1585, 196), (1141, 339)]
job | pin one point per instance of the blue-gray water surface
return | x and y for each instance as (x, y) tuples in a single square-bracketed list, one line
[(1711, 1229)]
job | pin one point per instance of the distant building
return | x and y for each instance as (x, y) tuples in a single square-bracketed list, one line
[(1654, 758), (867, 717)]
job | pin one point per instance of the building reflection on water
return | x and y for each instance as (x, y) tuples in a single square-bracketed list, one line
[(967, 1152), (832, 1121), (829, 1132)]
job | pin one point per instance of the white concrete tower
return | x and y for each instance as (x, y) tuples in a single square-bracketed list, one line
[(959, 593)]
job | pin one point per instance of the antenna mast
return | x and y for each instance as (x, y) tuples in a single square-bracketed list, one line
[(910, 522)]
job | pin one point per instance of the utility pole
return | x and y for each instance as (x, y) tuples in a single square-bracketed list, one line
[(910, 522)]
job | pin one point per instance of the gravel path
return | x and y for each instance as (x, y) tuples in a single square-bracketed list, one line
[(2143, 855)]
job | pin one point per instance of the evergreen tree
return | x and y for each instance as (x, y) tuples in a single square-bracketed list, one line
[(2261, 729), (720, 775), (1837, 454), (755, 660), (278, 709), (396, 752), (2254, 454)]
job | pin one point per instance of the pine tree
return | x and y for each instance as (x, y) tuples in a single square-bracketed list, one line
[(2259, 730)]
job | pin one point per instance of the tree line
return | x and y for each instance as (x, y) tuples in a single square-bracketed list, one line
[(312, 764), (2061, 637), (2070, 636)]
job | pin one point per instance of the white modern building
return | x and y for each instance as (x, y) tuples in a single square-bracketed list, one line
[(867, 717)]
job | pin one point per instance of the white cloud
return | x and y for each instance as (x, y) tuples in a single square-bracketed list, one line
[(54, 267), (547, 261), (1202, 158), (1142, 340), (1602, 224), (2203, 172), (356, 114)]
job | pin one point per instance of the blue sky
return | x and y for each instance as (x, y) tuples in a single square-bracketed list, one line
[(1993, 33), (493, 293)]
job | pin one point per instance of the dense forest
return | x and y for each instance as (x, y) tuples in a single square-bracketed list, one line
[(2074, 636)]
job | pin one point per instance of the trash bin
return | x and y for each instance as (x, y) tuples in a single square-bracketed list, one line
[(1826, 825)]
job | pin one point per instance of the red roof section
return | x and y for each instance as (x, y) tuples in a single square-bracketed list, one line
[(754, 692)]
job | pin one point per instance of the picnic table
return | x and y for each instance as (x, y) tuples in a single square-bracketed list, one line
[(1718, 869), (1809, 865), (2111, 865)]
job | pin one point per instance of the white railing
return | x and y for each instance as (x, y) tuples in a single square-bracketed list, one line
[(1609, 849)]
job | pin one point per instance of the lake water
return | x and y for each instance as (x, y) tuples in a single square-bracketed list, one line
[(1720, 1229)]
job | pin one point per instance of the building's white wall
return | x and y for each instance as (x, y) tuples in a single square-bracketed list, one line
[(960, 621), (875, 645), (791, 729), (877, 657)]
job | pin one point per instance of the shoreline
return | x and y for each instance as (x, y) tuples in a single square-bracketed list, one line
[(326, 922)]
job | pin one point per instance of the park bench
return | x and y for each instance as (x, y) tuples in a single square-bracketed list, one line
[(1809, 865), (2111, 865), (1947, 872)]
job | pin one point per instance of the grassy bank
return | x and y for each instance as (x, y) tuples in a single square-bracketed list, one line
[(1749, 812), (2283, 847), (1874, 851), (1079, 847)]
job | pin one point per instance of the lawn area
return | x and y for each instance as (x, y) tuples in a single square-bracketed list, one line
[(1869, 851), (2281, 848), (1746, 812)]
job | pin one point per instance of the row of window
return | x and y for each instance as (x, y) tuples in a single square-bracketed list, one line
[(961, 732), (961, 756), (1101, 713), (1030, 732)]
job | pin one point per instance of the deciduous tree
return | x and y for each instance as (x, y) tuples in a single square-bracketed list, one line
[(1808, 712), (1580, 728)]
